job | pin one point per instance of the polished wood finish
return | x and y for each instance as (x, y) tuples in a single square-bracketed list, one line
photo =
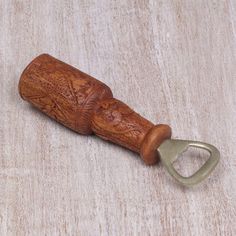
[(86, 105), (62, 92)]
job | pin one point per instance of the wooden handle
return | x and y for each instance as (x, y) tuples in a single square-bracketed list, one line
[(86, 105)]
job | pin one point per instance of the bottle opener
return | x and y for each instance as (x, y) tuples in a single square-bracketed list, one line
[(87, 106)]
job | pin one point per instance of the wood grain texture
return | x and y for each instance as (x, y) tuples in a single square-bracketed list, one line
[(86, 105), (62, 92), (179, 57)]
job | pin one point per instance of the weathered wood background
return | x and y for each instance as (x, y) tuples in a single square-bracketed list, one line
[(174, 62)]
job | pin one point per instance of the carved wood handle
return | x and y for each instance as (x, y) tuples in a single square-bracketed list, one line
[(86, 105)]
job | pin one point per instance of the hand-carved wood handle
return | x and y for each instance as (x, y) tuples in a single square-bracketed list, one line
[(86, 105)]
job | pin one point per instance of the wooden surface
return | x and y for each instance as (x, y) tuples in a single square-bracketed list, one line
[(177, 56)]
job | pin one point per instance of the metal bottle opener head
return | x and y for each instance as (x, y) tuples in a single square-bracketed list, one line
[(170, 150)]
